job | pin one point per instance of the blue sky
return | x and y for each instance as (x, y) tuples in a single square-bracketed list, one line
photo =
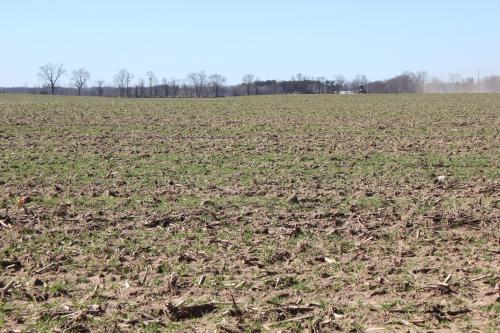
[(271, 39)]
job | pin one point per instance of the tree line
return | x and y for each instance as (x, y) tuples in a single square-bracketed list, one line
[(201, 84), (197, 84)]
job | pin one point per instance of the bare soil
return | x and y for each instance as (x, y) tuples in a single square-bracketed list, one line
[(258, 214)]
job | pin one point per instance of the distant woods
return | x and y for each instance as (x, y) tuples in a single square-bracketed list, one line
[(202, 84)]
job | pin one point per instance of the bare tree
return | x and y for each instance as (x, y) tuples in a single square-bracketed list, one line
[(248, 82), (50, 74), (99, 84), (80, 78), (366, 83), (122, 81), (217, 81), (202, 79), (165, 86), (128, 79), (173, 84), (140, 88), (152, 81), (136, 90), (198, 81), (192, 79)]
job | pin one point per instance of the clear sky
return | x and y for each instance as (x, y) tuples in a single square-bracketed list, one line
[(273, 39)]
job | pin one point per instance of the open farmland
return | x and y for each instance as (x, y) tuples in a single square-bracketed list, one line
[(272, 213)]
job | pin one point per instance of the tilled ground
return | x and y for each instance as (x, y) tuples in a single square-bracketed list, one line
[(286, 213)]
